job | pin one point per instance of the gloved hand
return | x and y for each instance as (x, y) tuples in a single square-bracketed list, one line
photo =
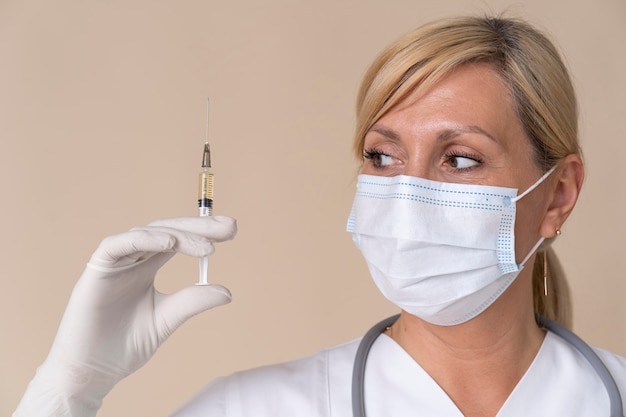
[(116, 320)]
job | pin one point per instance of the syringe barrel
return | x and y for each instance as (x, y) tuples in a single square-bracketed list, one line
[(205, 194)]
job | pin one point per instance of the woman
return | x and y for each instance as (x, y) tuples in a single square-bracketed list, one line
[(467, 130)]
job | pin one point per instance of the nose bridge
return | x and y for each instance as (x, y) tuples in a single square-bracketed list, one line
[(416, 170), (418, 164)]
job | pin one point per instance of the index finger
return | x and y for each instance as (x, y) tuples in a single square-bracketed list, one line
[(214, 228)]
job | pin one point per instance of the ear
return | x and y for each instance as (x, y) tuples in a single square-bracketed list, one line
[(565, 191)]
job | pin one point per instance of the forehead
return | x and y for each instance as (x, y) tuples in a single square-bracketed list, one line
[(477, 84), (471, 95)]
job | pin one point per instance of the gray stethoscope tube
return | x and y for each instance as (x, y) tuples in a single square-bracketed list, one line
[(358, 373)]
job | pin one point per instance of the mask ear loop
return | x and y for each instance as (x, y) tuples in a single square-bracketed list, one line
[(535, 185), (532, 187), (533, 250)]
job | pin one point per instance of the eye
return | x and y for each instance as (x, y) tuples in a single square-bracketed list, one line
[(379, 159), (461, 161)]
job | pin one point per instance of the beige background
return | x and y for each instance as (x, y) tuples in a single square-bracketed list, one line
[(102, 121)]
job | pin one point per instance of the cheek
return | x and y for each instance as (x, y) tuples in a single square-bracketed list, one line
[(528, 220)]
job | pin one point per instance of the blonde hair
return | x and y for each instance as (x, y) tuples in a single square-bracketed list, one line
[(539, 84)]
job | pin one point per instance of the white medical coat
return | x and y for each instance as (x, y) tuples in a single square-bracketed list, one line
[(559, 382)]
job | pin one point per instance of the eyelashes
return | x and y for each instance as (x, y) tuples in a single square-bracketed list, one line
[(455, 160), (373, 153), (461, 160), (378, 159)]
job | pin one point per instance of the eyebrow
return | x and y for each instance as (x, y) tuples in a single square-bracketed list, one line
[(443, 136), (452, 133), (388, 133)]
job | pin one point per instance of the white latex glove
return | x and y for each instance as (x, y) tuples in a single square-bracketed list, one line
[(116, 320)]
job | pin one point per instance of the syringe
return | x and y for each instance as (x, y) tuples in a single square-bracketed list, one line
[(205, 195)]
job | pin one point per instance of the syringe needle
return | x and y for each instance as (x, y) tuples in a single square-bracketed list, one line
[(206, 135), (205, 195)]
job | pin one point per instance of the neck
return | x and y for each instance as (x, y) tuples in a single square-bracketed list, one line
[(491, 352), (477, 340)]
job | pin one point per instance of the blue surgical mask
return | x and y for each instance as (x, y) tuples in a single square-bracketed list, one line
[(441, 251)]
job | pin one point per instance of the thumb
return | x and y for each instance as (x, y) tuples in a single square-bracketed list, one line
[(172, 310)]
